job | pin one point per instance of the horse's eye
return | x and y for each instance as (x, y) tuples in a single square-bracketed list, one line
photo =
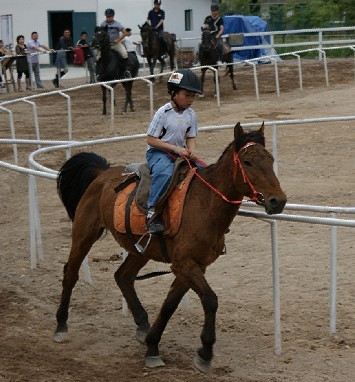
[(247, 163)]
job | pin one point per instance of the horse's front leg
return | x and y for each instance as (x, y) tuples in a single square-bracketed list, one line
[(124, 277), (104, 99), (203, 75), (176, 293), (193, 276)]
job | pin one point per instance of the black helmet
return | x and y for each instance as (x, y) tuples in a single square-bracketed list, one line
[(157, 2), (184, 79), (109, 12), (214, 7)]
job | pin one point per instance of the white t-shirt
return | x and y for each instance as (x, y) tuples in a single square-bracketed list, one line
[(128, 43), (173, 127)]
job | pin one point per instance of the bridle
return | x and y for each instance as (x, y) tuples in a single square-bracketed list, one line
[(257, 197)]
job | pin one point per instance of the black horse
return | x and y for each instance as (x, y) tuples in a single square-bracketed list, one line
[(155, 47), (110, 67), (209, 55)]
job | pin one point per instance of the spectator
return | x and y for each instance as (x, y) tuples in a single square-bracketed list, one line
[(34, 46), (89, 56), (172, 133), (21, 62), (3, 52), (116, 33), (129, 43), (65, 44), (215, 24)]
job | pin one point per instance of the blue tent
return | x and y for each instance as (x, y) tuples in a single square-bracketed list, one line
[(247, 24)]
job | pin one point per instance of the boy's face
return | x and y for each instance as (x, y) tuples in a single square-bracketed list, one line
[(184, 98), (84, 36)]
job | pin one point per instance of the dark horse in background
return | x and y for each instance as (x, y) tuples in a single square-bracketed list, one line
[(154, 47), (209, 55), (86, 185), (110, 67)]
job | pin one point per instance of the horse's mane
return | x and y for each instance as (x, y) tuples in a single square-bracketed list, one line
[(244, 138)]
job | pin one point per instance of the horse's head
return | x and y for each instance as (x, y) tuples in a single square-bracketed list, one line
[(256, 165), (101, 37), (208, 40), (146, 32)]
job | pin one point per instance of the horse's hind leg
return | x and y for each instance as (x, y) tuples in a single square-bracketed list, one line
[(203, 75), (125, 276), (83, 238), (176, 293)]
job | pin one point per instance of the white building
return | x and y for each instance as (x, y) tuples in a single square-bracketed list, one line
[(50, 17)]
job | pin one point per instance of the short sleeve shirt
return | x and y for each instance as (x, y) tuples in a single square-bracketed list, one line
[(113, 29), (173, 127), (155, 17), (214, 24)]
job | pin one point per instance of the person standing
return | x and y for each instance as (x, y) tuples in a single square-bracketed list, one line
[(172, 133), (215, 24), (65, 44), (129, 44), (3, 52), (35, 47), (117, 33), (89, 56), (21, 62)]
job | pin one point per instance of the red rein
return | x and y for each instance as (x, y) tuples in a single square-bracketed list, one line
[(237, 164)]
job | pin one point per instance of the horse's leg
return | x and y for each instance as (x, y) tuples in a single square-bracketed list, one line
[(231, 75), (124, 277), (125, 104), (202, 80), (194, 277), (191, 276), (84, 235), (176, 293), (104, 99)]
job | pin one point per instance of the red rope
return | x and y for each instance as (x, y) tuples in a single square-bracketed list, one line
[(237, 164)]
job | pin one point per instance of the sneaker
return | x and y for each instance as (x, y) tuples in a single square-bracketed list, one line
[(156, 226), (127, 74)]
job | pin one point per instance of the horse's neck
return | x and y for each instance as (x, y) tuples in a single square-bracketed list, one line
[(221, 177)]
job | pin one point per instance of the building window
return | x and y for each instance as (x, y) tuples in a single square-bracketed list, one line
[(188, 20)]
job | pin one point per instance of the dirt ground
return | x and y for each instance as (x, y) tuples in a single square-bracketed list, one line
[(316, 166)]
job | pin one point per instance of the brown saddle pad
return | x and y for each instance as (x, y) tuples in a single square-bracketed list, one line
[(171, 215)]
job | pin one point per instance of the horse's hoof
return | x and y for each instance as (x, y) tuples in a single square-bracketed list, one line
[(140, 336), (154, 362), (202, 365), (60, 337), (133, 109)]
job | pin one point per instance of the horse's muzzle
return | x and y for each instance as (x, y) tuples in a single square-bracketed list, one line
[(275, 204)]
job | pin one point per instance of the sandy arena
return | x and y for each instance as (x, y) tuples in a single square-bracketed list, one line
[(316, 166)]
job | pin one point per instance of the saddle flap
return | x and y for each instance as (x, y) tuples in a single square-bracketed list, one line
[(180, 171)]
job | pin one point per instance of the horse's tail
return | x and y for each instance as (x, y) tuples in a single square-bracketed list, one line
[(75, 177)]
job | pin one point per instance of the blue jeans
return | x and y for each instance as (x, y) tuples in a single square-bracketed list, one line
[(161, 169), (35, 70)]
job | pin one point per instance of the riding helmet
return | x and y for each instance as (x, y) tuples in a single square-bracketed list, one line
[(109, 12), (184, 79), (157, 2), (214, 7)]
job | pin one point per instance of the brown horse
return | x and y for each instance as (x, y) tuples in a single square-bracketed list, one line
[(86, 186)]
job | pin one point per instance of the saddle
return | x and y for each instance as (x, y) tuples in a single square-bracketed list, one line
[(131, 206)]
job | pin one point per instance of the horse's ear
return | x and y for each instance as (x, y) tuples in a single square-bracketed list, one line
[(139, 26), (262, 128), (238, 131)]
